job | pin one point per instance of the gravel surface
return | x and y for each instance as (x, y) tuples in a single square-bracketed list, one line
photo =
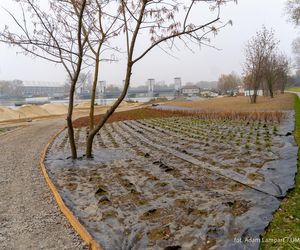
[(29, 216)]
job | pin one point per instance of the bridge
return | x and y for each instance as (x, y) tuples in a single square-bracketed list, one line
[(40, 88), (135, 93)]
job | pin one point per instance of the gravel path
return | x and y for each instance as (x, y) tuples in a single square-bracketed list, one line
[(29, 216)]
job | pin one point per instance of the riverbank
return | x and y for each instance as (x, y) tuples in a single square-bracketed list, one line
[(29, 112)]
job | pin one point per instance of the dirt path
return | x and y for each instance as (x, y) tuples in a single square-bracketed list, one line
[(29, 216)]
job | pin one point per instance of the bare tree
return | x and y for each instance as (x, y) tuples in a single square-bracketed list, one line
[(54, 34), (282, 72), (296, 52), (293, 11), (258, 49), (270, 73), (102, 19), (227, 84), (11, 88), (166, 22), (276, 71)]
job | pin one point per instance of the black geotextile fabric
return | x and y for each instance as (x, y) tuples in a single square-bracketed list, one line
[(224, 210)]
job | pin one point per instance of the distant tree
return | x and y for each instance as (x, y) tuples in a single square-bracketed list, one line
[(228, 84), (282, 72), (293, 11), (259, 49), (296, 52), (270, 73), (294, 80), (11, 88), (276, 70), (112, 88), (247, 81)]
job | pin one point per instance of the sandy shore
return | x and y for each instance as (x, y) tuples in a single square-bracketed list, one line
[(53, 109)]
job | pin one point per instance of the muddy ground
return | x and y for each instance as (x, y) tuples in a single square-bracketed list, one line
[(177, 183)]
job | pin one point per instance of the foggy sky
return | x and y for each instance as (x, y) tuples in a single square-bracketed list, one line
[(206, 63)]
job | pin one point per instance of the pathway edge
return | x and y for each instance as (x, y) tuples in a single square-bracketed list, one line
[(78, 227)]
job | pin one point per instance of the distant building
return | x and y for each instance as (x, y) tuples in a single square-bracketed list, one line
[(102, 87), (208, 93), (177, 83), (43, 90), (250, 92), (241, 90), (151, 83), (190, 90)]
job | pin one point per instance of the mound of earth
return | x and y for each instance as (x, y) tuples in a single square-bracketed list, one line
[(31, 111), (55, 109), (9, 114)]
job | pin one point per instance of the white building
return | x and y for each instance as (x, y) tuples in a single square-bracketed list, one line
[(102, 87), (45, 89), (177, 83), (190, 90), (250, 92), (151, 84)]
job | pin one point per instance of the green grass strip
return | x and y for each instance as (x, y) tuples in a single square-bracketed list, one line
[(284, 230), (294, 89)]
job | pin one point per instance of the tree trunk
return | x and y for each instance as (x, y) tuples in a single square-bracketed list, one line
[(270, 84), (93, 97), (69, 121), (74, 80), (110, 111), (283, 84), (271, 93), (253, 98)]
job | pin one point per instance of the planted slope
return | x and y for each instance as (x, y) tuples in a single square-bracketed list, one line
[(178, 181)]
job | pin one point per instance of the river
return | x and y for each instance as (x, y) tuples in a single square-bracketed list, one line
[(11, 102)]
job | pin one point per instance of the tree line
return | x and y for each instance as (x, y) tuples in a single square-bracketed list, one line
[(10, 89), (265, 68)]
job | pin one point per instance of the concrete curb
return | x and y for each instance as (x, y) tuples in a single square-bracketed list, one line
[(79, 228)]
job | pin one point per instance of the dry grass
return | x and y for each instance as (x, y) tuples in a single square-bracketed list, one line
[(149, 113), (264, 116), (241, 103)]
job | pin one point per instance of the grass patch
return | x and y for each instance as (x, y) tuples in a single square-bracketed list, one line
[(294, 89), (6, 129), (148, 113), (286, 221)]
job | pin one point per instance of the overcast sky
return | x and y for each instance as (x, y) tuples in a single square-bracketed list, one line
[(206, 63)]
